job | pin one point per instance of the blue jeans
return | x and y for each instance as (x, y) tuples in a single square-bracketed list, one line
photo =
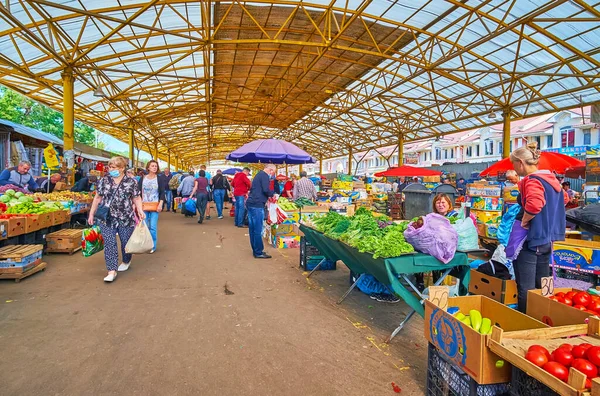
[(531, 265), (169, 199), (256, 216), (201, 201), (152, 223), (219, 197), (240, 210)]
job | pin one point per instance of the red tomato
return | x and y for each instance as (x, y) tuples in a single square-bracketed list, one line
[(568, 347), (567, 300), (579, 352), (553, 298), (560, 294), (558, 370), (594, 305), (586, 345), (536, 357), (560, 300), (539, 348), (580, 307), (563, 356), (582, 298), (571, 294), (593, 355), (588, 383), (585, 367)]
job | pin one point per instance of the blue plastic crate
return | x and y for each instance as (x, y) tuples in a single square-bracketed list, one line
[(311, 262), (447, 379)]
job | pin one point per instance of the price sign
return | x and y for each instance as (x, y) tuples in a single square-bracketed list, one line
[(547, 286)]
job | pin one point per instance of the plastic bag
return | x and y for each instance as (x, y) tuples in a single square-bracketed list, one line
[(506, 224), (468, 239), (190, 206), (92, 241), (516, 240), (140, 241), (435, 237)]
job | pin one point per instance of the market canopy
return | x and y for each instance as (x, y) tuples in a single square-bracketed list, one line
[(554, 162), (407, 171), (202, 78)]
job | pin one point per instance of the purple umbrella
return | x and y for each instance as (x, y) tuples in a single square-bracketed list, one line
[(272, 151)]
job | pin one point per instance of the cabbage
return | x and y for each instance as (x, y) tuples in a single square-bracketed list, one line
[(10, 192), (24, 199), (5, 198), (19, 194)]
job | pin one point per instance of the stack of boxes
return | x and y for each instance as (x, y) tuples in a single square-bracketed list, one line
[(486, 203), (286, 235), (395, 205)]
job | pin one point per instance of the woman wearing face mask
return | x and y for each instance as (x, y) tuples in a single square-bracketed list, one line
[(543, 218), (121, 195), (153, 197)]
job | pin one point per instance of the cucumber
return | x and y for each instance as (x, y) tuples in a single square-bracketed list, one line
[(475, 319), (486, 326)]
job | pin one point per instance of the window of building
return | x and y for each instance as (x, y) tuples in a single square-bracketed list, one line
[(469, 151), (451, 153), (489, 147), (477, 151), (549, 141), (538, 140), (500, 147), (587, 138), (567, 137)]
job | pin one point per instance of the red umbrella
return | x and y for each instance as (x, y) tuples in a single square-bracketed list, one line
[(548, 161), (281, 177), (575, 172), (406, 171)]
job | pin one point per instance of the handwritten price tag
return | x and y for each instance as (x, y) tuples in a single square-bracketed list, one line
[(438, 295), (547, 286)]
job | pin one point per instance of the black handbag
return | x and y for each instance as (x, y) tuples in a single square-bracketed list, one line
[(102, 211)]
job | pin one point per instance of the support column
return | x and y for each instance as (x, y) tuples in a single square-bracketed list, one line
[(169, 159), (401, 149), (320, 165), (131, 145), (300, 169), (506, 134), (155, 150), (68, 122), (350, 161), (287, 173)]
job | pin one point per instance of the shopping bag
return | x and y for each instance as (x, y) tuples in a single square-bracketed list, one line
[(190, 206), (140, 241), (468, 239), (92, 241), (435, 236)]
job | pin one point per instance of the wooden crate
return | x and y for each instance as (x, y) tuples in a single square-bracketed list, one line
[(64, 241), (16, 226), (41, 266), (512, 346), (19, 255)]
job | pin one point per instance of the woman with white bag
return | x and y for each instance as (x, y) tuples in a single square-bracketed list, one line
[(153, 197), (119, 196)]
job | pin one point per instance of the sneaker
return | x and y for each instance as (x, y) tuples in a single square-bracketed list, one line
[(207, 217), (200, 221), (388, 298), (152, 251), (123, 267), (110, 277), (220, 217)]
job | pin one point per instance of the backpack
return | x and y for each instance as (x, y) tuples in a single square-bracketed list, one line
[(174, 182)]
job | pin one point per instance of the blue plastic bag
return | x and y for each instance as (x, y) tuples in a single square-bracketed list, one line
[(190, 206), (506, 224)]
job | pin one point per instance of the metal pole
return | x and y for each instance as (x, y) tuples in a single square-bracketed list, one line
[(350, 160), (131, 146), (401, 149), (320, 165), (68, 122), (506, 134)]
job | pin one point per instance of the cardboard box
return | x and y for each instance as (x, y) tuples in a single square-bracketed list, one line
[(487, 230), (314, 209), (297, 230), (484, 190), (466, 347), (579, 255), (3, 229), (292, 217), (358, 185), (64, 241), (282, 230), (510, 194), (286, 242), (59, 217), (486, 216), (503, 291), (485, 203), (552, 312), (16, 226)]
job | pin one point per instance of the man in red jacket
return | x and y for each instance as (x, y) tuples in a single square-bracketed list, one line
[(241, 185)]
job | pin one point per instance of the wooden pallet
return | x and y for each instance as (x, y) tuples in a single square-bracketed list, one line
[(69, 251), (18, 252), (512, 346), (18, 276)]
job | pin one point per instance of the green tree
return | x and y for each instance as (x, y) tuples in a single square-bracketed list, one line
[(22, 110)]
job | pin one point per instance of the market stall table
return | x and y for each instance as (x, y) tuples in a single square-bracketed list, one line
[(390, 271)]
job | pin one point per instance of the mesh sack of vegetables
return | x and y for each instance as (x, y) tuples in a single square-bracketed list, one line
[(92, 241), (433, 234), (468, 239)]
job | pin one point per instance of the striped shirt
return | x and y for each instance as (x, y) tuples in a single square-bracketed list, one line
[(305, 188)]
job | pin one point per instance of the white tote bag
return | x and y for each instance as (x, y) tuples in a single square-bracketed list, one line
[(140, 241)]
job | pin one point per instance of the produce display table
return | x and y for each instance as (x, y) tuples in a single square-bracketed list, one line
[(389, 271)]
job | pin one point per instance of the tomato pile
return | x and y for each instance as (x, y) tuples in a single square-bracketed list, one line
[(580, 300), (582, 357)]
